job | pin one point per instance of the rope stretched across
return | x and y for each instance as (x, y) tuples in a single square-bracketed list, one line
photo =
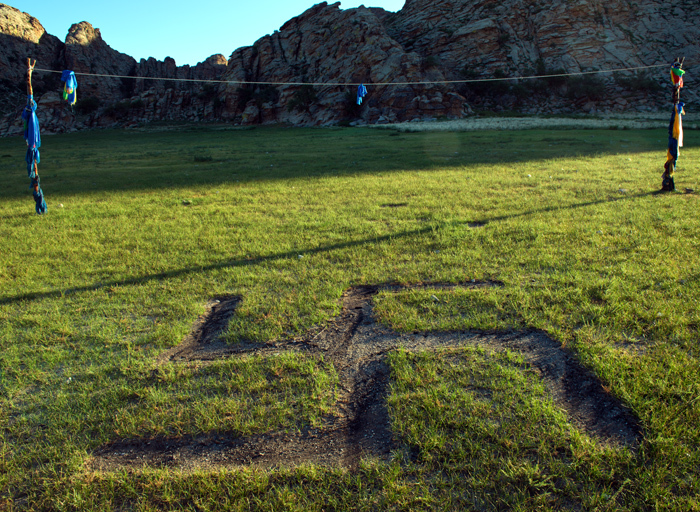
[(356, 84)]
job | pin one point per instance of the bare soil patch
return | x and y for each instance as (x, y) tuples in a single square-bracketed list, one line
[(393, 205), (357, 344)]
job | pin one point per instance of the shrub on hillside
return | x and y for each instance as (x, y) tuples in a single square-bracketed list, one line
[(302, 99), (638, 82), (87, 105), (585, 86)]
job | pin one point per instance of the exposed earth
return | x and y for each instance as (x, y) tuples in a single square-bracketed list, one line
[(356, 344)]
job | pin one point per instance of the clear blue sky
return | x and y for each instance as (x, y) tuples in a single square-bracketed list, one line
[(189, 32)]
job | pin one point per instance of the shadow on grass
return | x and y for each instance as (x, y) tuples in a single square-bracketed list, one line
[(123, 160), (474, 223)]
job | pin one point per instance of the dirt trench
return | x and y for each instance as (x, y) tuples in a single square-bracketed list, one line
[(356, 344)]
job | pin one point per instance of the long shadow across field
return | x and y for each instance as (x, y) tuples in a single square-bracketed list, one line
[(119, 160), (478, 222)]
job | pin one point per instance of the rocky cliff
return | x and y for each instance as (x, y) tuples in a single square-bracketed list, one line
[(475, 39), (22, 36), (102, 101), (427, 41)]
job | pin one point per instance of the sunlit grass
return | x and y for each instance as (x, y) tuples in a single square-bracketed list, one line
[(520, 451), (154, 224)]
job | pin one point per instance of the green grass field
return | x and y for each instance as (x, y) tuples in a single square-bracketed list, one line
[(144, 227)]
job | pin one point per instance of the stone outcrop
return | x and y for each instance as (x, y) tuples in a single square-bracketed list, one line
[(328, 45), (486, 38), (210, 69), (22, 37), (426, 42), (573, 34), (86, 52), (102, 101)]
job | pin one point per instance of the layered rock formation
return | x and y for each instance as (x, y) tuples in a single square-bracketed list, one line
[(428, 41), (332, 46), (22, 36), (482, 38), (102, 101)]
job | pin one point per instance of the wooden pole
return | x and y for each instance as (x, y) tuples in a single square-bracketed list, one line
[(667, 181), (30, 69), (33, 141), (30, 97)]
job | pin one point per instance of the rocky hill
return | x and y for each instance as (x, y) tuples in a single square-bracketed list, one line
[(426, 41)]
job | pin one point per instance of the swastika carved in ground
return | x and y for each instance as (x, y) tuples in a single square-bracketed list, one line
[(357, 344)]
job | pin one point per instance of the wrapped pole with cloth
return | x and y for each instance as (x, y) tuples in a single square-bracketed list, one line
[(675, 128), (33, 138)]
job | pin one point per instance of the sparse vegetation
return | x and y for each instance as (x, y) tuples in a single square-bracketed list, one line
[(352, 109), (585, 86), (430, 62), (208, 93), (639, 82), (302, 99), (121, 109), (88, 105), (574, 87), (261, 94)]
